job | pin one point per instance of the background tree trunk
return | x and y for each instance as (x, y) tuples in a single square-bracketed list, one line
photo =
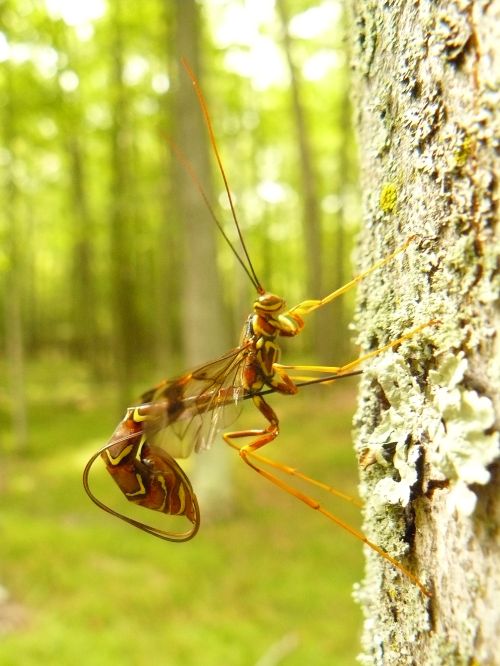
[(311, 213), (124, 312), (204, 329), (426, 95), (14, 277)]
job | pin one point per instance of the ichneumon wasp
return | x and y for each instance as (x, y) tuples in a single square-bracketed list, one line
[(183, 415)]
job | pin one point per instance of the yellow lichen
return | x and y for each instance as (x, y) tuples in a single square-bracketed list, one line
[(388, 197), (463, 153)]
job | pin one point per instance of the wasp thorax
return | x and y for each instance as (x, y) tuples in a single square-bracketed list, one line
[(268, 303)]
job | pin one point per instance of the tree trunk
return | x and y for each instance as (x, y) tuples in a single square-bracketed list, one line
[(311, 214), (84, 300), (82, 283), (13, 274), (204, 330), (125, 321), (426, 95)]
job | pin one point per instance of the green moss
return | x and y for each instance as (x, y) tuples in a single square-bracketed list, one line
[(388, 197)]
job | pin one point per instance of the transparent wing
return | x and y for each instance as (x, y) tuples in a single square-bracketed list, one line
[(188, 412)]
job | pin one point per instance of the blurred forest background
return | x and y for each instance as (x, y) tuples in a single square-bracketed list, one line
[(113, 276)]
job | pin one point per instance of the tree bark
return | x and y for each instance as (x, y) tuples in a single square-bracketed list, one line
[(426, 97)]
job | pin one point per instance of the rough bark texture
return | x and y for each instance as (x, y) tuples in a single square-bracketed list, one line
[(427, 99)]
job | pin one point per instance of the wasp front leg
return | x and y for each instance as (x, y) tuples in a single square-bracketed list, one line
[(306, 307)]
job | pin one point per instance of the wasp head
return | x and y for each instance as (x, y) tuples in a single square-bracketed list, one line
[(268, 304)]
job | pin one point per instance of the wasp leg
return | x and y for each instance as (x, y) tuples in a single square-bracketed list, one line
[(308, 306), (344, 369), (263, 436)]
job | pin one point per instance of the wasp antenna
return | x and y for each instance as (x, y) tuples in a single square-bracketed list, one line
[(196, 181), (213, 142)]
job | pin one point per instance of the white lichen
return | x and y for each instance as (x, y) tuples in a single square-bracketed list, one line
[(400, 428), (463, 445), (455, 422)]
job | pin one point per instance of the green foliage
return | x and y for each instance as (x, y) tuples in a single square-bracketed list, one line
[(96, 236), (61, 182)]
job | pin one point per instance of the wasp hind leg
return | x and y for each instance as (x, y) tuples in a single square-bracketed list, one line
[(263, 436)]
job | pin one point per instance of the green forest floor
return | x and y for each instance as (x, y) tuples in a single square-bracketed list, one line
[(268, 584)]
